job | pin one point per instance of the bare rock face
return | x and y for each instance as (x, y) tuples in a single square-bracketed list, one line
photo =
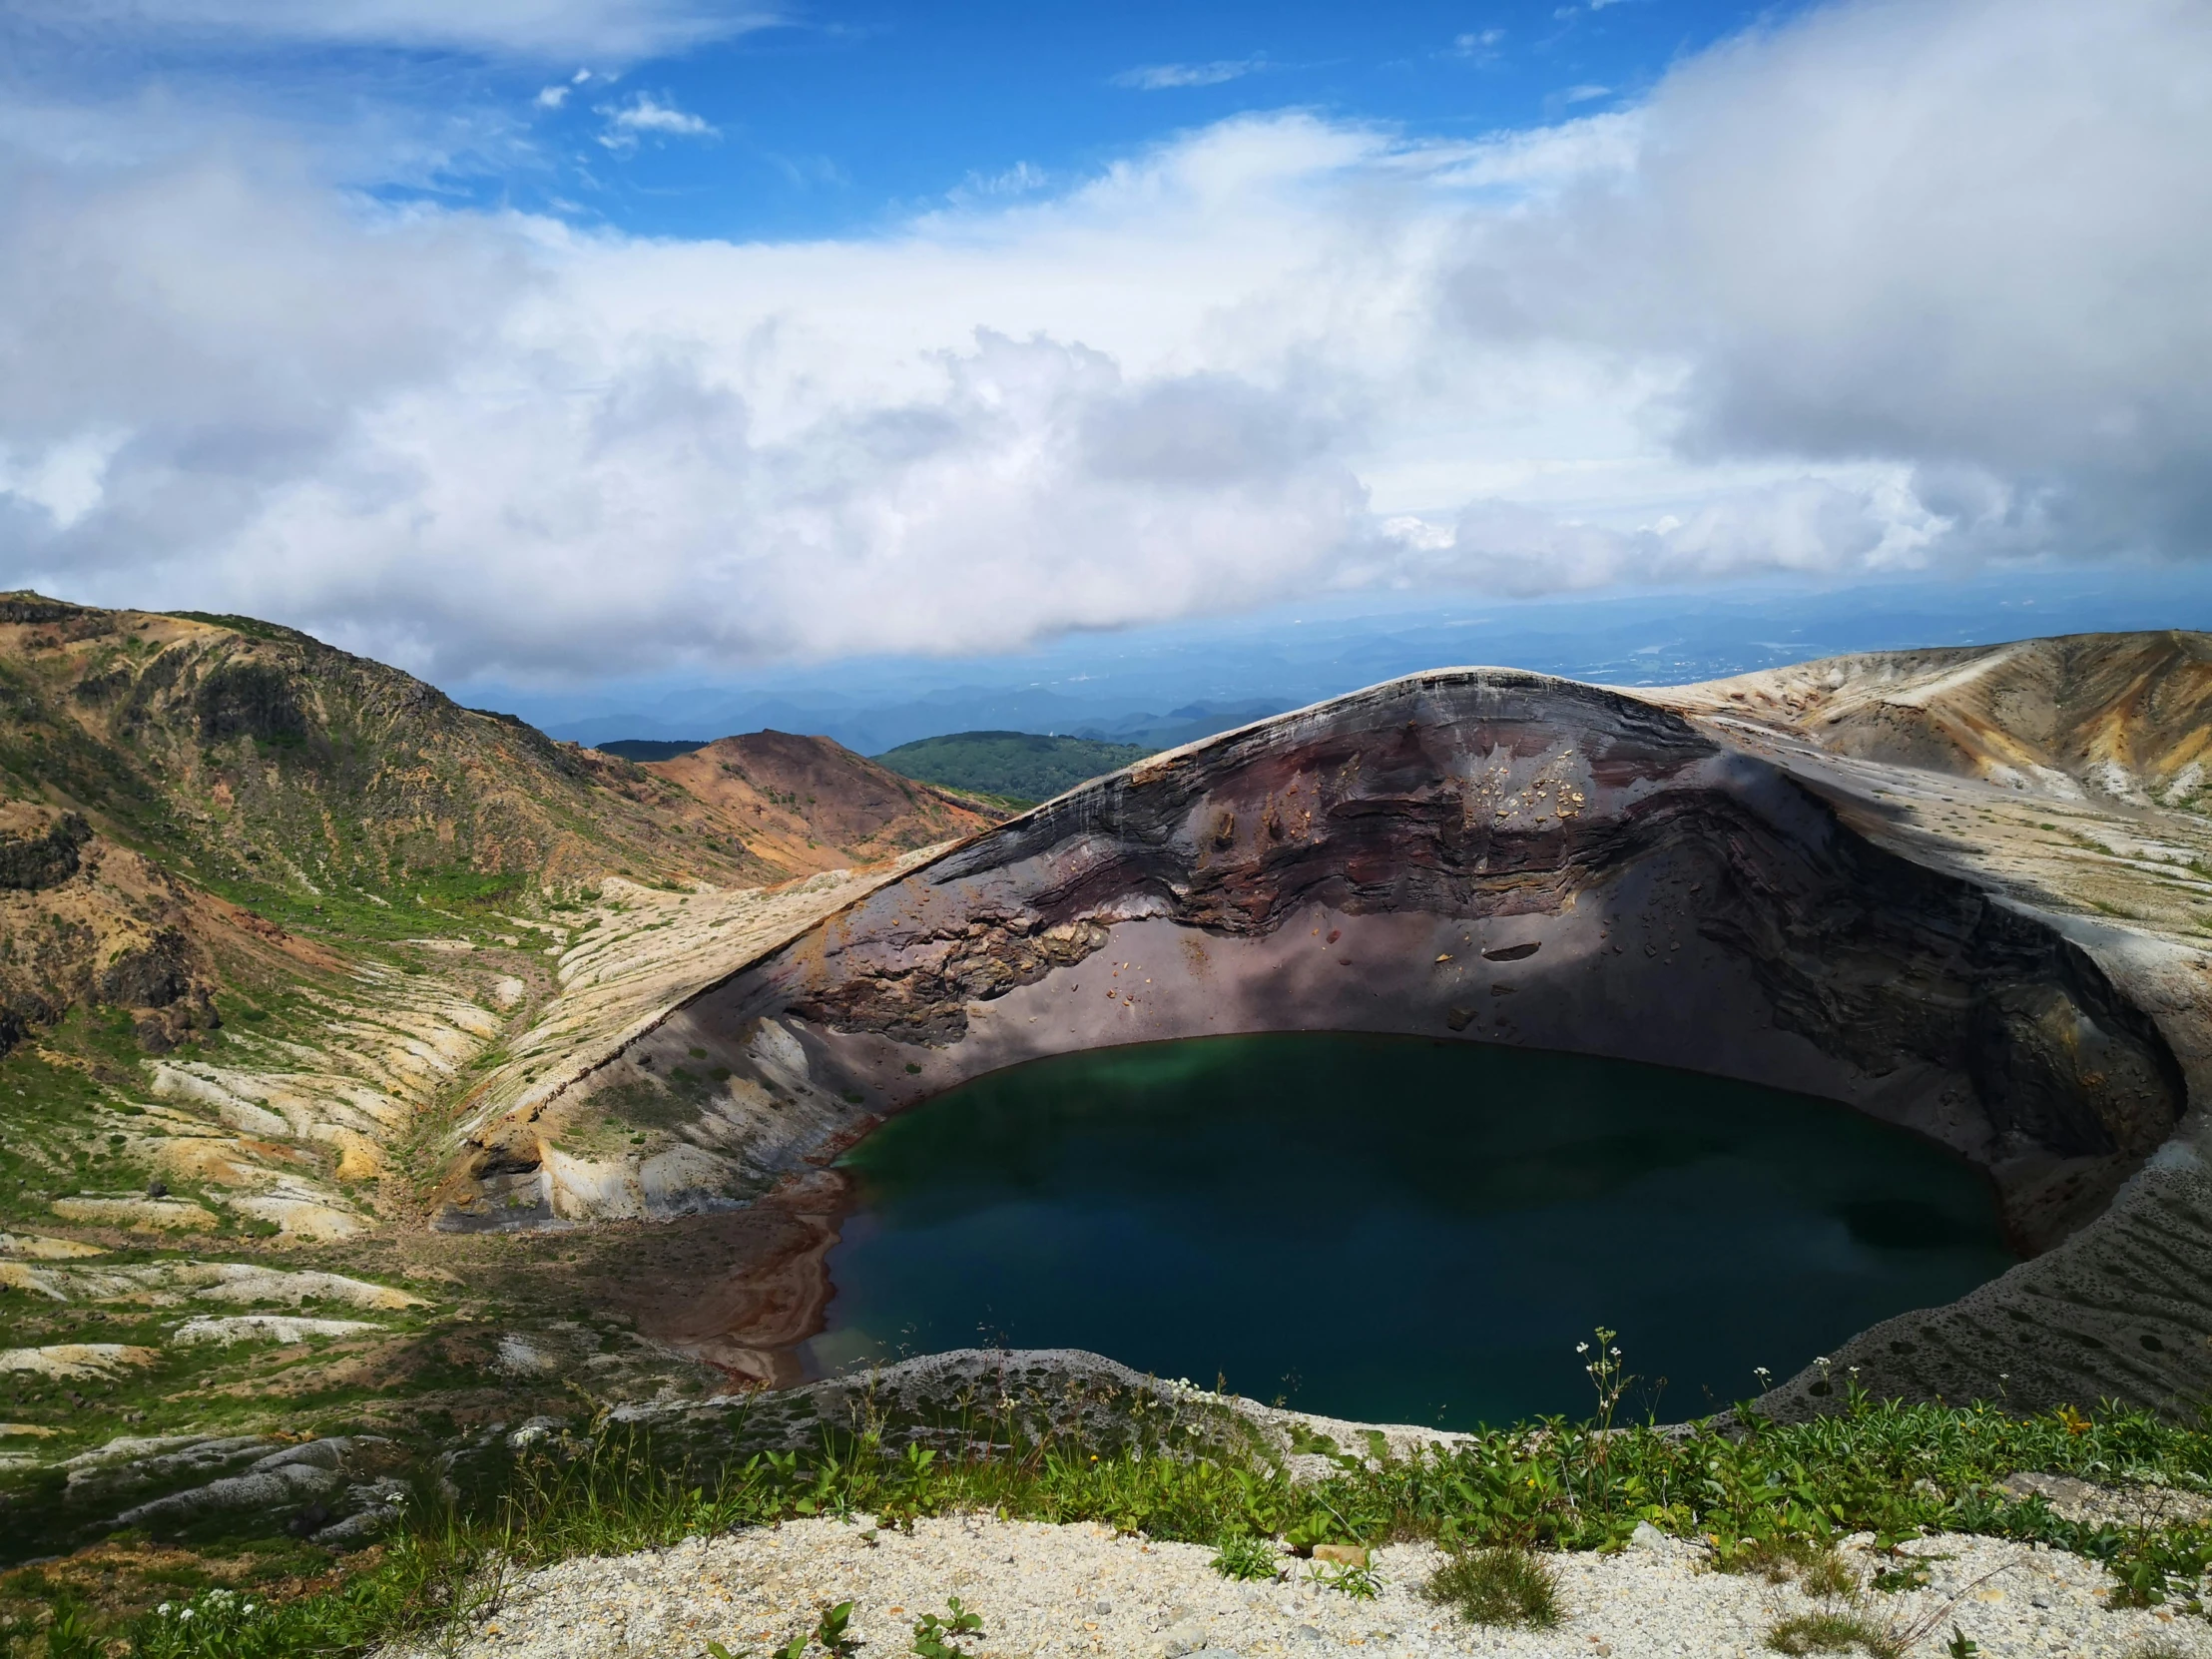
[(1497, 857)]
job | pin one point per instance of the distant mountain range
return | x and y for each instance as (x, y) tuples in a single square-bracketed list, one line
[(1112, 686)]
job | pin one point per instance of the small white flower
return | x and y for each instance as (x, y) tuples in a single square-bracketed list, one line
[(186, 1614), (1616, 1354), (163, 1609), (1582, 1348)]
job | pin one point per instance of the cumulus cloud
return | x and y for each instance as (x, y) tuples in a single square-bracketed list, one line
[(477, 441), (1968, 235), (531, 29), (1886, 286)]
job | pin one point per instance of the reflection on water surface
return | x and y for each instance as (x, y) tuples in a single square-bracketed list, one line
[(1394, 1228)]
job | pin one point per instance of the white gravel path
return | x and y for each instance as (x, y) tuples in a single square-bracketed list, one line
[(1081, 1590)]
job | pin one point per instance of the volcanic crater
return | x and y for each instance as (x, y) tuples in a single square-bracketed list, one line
[(1692, 877)]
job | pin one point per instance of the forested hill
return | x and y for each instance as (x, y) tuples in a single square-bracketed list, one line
[(1016, 766)]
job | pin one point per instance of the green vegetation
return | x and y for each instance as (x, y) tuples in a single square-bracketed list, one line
[(1755, 1496), (1358, 1582), (935, 1637), (1016, 767), (1246, 1559)]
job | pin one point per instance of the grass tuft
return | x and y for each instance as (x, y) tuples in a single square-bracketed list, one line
[(1502, 1585), (1830, 1631), (1778, 1557), (1828, 1574)]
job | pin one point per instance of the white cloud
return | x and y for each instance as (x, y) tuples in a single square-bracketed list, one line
[(551, 98), (1583, 94), (647, 117), (1816, 525), (1164, 77), (1888, 285), (530, 29), (65, 481), (1968, 235)]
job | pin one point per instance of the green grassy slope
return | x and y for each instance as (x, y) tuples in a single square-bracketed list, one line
[(1024, 767)]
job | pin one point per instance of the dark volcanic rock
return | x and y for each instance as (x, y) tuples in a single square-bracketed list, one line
[(40, 849), (152, 976)]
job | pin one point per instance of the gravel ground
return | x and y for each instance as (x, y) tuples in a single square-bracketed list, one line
[(1081, 1590)]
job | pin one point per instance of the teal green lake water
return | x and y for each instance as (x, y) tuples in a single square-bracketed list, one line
[(1394, 1229)]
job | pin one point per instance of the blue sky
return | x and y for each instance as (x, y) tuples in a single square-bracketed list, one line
[(560, 344), (839, 117)]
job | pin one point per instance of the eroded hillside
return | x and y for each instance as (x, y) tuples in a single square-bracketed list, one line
[(2070, 772), (272, 919), (2120, 716)]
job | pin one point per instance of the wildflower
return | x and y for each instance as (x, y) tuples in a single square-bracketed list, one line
[(1582, 1348), (165, 1609), (186, 1614)]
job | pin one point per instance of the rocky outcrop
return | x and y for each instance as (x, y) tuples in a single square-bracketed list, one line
[(39, 847), (96, 925), (338, 1491)]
